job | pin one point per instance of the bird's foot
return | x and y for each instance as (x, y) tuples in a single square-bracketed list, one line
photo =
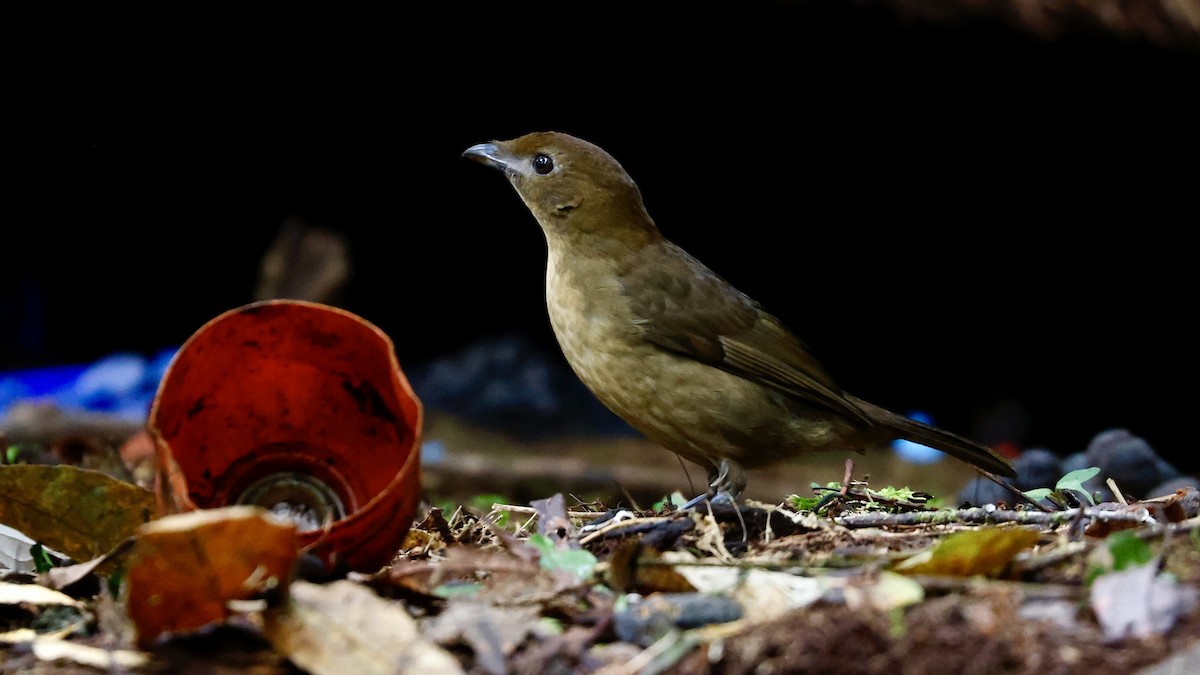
[(724, 487), (729, 481), (722, 497)]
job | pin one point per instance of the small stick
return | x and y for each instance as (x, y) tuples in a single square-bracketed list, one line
[(1112, 485)]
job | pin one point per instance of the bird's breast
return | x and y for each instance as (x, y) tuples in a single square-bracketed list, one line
[(596, 330), (588, 313)]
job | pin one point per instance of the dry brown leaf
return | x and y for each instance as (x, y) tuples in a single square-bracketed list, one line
[(493, 633), (344, 627), (81, 512), (61, 577), (494, 575), (185, 568), (635, 567)]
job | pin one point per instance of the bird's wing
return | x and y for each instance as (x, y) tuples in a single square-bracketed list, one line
[(691, 311)]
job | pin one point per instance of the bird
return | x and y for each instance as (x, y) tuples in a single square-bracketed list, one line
[(672, 348)]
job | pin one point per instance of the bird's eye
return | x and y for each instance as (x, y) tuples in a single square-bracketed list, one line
[(543, 163)]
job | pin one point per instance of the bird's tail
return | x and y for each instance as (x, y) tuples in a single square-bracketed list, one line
[(950, 443)]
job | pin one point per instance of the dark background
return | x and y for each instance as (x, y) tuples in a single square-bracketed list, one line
[(951, 214)]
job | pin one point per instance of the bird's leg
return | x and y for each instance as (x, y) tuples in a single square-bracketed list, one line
[(698, 499), (729, 481), (726, 480)]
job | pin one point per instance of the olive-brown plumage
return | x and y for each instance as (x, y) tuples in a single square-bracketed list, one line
[(672, 348)]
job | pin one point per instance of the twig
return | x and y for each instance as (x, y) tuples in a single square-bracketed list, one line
[(980, 515), (1112, 485), (1021, 496), (622, 525), (1041, 590), (712, 537), (1065, 551), (1163, 529), (527, 510)]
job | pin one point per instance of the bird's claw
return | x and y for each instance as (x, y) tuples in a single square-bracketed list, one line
[(721, 497), (729, 481), (723, 488)]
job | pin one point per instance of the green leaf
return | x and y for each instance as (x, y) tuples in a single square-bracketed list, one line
[(114, 582), (1120, 550), (42, 562), (579, 562), (1038, 494), (890, 492), (1074, 481), (803, 503), (1128, 550), (675, 499), (484, 502)]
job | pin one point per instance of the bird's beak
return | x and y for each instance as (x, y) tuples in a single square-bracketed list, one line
[(489, 154)]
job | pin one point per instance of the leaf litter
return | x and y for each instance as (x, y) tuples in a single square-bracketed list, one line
[(587, 589)]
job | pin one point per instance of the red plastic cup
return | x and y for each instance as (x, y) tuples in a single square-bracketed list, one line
[(300, 408)]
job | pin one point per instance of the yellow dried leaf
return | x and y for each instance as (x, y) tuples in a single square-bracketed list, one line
[(80, 512), (983, 552)]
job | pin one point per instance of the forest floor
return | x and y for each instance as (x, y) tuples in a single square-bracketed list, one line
[(518, 561)]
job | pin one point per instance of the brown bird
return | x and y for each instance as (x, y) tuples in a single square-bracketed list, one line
[(670, 347)]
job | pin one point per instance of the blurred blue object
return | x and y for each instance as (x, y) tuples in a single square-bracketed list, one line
[(36, 383), (121, 384), (915, 452), (433, 453)]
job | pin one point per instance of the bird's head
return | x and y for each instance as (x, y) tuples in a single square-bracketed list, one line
[(567, 183)]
